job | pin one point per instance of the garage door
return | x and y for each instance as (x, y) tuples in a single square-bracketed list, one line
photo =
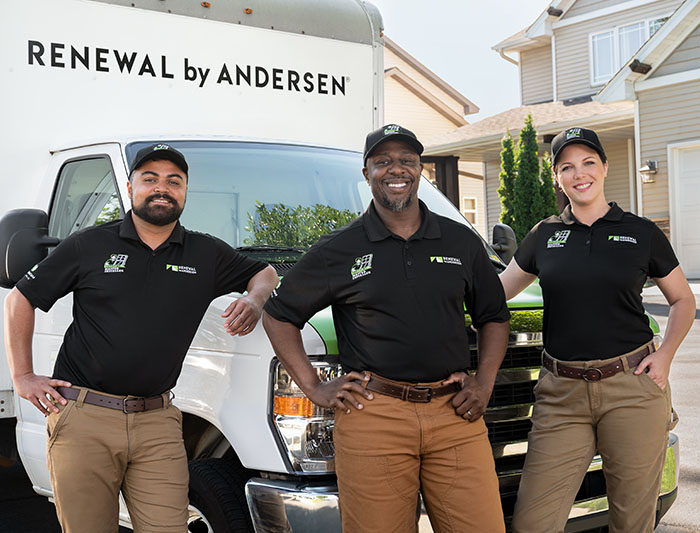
[(687, 213)]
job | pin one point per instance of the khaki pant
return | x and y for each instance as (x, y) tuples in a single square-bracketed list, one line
[(626, 418), (392, 449), (94, 452)]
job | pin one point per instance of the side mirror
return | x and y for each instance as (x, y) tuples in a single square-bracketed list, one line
[(504, 243), (24, 242)]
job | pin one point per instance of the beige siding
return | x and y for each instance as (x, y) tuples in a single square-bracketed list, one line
[(685, 57), (572, 46), (406, 108), (536, 75), (617, 188), (474, 188), (666, 115), (586, 6), (392, 60)]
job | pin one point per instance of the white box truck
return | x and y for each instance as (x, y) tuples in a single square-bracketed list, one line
[(270, 102)]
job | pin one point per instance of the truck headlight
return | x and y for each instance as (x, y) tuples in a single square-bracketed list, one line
[(305, 430)]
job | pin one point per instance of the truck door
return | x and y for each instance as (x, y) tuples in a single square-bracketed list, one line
[(85, 193)]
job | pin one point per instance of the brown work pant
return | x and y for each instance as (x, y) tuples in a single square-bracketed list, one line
[(626, 418), (392, 449), (94, 452)]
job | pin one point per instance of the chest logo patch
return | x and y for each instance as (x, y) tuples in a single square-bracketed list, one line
[(622, 238), (181, 268), (116, 263), (558, 240), (362, 266), (446, 260)]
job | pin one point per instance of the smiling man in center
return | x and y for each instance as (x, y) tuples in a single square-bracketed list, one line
[(408, 415)]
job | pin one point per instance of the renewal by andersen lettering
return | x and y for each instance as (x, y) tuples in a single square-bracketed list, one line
[(61, 55)]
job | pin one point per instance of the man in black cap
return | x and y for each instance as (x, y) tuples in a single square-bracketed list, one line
[(140, 288), (408, 416)]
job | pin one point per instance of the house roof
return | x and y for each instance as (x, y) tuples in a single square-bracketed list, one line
[(537, 33), (654, 52), (481, 141), (469, 106)]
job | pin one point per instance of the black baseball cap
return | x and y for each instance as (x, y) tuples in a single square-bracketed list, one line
[(576, 136), (392, 132), (159, 151)]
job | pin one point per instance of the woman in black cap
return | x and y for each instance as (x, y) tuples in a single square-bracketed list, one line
[(604, 384)]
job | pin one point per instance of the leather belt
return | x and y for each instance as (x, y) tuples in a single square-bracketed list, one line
[(594, 373), (125, 404), (408, 392)]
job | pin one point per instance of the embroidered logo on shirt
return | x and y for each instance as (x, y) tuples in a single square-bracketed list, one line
[(116, 263), (181, 268), (622, 238), (558, 240), (445, 259), (30, 275), (362, 266)]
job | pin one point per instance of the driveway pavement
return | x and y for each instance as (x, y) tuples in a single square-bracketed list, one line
[(684, 515)]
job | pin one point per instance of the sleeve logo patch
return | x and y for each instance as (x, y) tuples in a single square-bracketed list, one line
[(362, 266), (558, 240), (445, 260), (622, 238), (116, 263), (181, 268)]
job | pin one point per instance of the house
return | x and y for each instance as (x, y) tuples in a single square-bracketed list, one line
[(565, 58), (418, 99), (662, 79)]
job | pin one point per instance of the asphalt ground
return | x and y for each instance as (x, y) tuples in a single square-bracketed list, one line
[(23, 511), (684, 515)]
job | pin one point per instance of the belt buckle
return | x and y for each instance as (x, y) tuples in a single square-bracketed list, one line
[(427, 388), (596, 374), (128, 411)]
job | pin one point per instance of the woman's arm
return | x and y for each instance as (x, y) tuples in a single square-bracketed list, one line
[(681, 300), (515, 279)]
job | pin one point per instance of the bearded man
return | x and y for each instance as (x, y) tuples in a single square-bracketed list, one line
[(140, 288)]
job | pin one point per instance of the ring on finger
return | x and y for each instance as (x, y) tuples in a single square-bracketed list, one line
[(469, 412)]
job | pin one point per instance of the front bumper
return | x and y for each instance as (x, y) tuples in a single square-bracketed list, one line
[(284, 506)]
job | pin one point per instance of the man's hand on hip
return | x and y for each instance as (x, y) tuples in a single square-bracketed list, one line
[(341, 393), (470, 403), (40, 391)]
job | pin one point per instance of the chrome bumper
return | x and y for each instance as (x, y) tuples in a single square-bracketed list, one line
[(286, 506), (283, 506)]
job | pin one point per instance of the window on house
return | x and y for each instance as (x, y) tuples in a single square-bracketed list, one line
[(611, 49), (469, 208)]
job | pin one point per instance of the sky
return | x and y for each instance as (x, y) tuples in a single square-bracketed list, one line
[(453, 38)]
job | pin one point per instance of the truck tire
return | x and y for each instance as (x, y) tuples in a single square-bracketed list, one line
[(217, 497)]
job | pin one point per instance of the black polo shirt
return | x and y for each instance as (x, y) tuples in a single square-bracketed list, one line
[(398, 305), (135, 310), (592, 279)]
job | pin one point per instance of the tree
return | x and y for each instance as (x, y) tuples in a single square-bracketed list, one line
[(549, 197), (507, 176), (526, 191), (296, 227)]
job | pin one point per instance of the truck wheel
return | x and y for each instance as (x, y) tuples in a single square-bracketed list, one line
[(217, 498)]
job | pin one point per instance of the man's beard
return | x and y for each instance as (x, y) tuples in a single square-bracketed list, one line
[(158, 215), (397, 206)]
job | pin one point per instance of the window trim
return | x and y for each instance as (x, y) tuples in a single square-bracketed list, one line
[(617, 62), (475, 211)]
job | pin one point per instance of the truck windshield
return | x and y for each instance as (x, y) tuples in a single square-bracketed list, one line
[(276, 200)]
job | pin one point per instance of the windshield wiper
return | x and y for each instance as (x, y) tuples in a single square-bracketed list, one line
[(269, 248)]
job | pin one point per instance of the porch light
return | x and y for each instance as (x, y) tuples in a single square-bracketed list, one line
[(648, 170)]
